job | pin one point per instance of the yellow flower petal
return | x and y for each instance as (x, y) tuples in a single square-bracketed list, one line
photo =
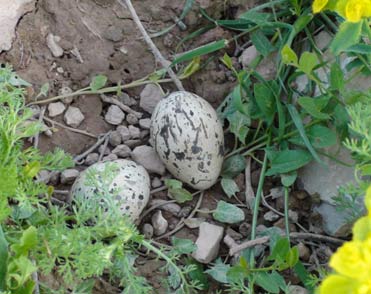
[(319, 5), (362, 229), (355, 10), (336, 284)]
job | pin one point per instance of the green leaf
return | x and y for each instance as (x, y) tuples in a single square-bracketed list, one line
[(292, 257), (299, 125), (304, 276), (85, 287), (227, 60), (236, 274), (307, 62), (289, 56), (280, 250), (261, 42), (27, 242), (3, 260), (319, 136), (203, 50), (43, 90), (266, 101), (359, 49), (198, 275), (229, 187), (219, 271), (314, 106), (183, 246), (349, 34), (32, 169), (233, 166), (336, 77), (191, 68), (289, 179), (264, 280), (177, 192), (8, 180), (287, 161), (239, 125), (98, 82), (228, 213)]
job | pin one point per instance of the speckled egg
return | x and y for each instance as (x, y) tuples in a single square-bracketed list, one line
[(188, 137), (121, 182)]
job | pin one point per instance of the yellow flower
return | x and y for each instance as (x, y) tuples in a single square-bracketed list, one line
[(352, 263), (319, 5), (355, 10)]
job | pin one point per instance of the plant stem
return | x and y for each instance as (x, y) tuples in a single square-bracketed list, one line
[(287, 224)]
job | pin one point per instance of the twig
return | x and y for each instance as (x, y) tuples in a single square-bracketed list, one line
[(249, 192), (159, 189), (144, 214), (121, 105), (259, 241), (152, 46), (53, 122), (103, 149), (41, 117), (35, 278), (100, 140)]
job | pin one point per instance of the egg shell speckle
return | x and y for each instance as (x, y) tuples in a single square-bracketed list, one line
[(188, 137), (124, 182)]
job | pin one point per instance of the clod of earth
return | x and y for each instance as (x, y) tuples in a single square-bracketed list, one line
[(188, 137), (121, 183)]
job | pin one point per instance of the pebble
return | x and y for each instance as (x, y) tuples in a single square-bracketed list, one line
[(244, 229), (149, 97), (208, 242), (194, 222), (124, 132), (293, 216), (271, 216), (106, 151), (122, 151), (52, 43), (68, 176), (91, 158), (185, 211), (233, 234), (114, 115), (148, 158), (73, 117), (159, 223), (147, 231), (156, 183), (65, 90), (145, 123), (144, 134), (304, 252), (131, 119), (115, 138), (173, 208), (44, 176), (113, 33), (56, 109), (134, 132), (277, 192), (110, 157), (133, 143), (126, 99), (293, 289)]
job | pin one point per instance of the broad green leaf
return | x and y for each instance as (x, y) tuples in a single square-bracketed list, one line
[(183, 246), (279, 280), (261, 42), (219, 271), (349, 34), (314, 106), (289, 179), (289, 56), (177, 192), (307, 62), (27, 242), (299, 125), (228, 213), (203, 50), (359, 48), (319, 136), (256, 17), (98, 82), (233, 166), (229, 187), (173, 184), (280, 250), (43, 90), (227, 60), (3, 260), (287, 161), (266, 101), (198, 275), (264, 280), (336, 77), (236, 274), (239, 125), (32, 169), (292, 257), (304, 276)]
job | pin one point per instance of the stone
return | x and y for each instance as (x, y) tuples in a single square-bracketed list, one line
[(91, 158), (10, 13), (134, 132), (106, 150), (277, 192), (114, 115), (44, 176), (122, 151), (115, 138), (173, 208), (149, 97), (185, 211), (159, 223), (126, 99), (114, 33), (68, 176), (110, 157), (52, 43), (208, 242), (147, 231), (335, 223), (148, 158), (233, 234), (327, 177), (133, 143), (55, 109), (293, 216), (124, 132), (73, 117), (145, 123), (271, 216), (304, 252), (156, 183), (293, 289), (194, 222), (144, 134), (131, 119)]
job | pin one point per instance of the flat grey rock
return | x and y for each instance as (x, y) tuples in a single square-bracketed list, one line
[(148, 158), (149, 97), (73, 117), (55, 109), (114, 115)]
